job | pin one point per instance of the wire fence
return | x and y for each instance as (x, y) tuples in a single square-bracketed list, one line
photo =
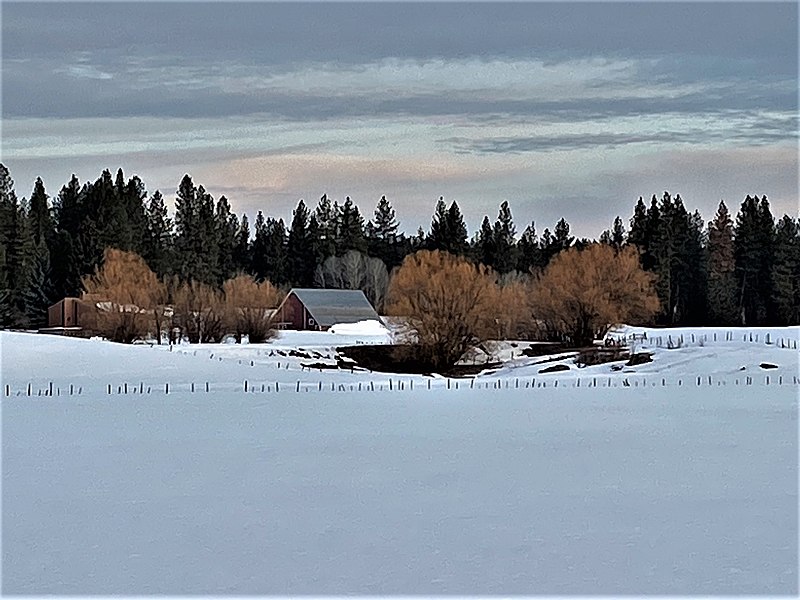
[(682, 340), (52, 389)]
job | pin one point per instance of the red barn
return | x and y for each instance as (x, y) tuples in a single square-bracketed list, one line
[(317, 310)]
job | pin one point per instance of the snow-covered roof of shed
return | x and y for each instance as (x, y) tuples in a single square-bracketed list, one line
[(329, 307)]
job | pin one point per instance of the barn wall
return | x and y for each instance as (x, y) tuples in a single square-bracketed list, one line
[(293, 315), (54, 315)]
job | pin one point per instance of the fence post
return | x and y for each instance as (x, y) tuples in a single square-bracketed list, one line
[(109, 389), (245, 385), (166, 388)]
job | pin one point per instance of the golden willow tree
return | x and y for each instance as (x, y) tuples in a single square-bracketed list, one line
[(583, 293), (449, 302), (125, 293)]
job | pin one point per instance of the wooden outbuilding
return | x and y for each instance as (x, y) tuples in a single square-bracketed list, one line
[(319, 309), (71, 316)]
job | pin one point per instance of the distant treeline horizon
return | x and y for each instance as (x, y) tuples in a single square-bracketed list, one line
[(727, 271)]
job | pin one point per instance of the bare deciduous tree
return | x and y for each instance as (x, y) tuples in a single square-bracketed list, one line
[(355, 271), (247, 307), (199, 312), (450, 304), (582, 293)]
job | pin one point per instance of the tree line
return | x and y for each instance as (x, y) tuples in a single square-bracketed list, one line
[(728, 271)]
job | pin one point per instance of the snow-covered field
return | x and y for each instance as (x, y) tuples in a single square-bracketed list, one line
[(673, 477)]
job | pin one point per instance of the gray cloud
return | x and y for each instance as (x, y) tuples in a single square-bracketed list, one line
[(163, 59), (435, 83), (275, 33), (763, 131)]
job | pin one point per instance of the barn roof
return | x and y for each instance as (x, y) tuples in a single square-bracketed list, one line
[(329, 307)]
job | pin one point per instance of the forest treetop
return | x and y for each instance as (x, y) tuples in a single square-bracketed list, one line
[(726, 271)]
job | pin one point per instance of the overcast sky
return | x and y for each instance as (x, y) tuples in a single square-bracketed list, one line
[(563, 109)]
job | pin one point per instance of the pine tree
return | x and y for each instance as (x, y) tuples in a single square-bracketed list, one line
[(39, 216), (111, 212), (134, 201), (351, 229), (618, 234), (207, 251), (85, 216), (6, 309), (721, 269), (196, 239), (226, 227), (504, 240), (652, 236), (529, 258), (670, 237), (753, 252), (766, 232), (383, 240), (158, 243), (485, 244), (186, 226), (326, 218), (300, 253), (553, 244), (16, 239), (276, 244), (66, 279), (260, 252), (638, 228), (457, 242), (68, 262), (439, 235), (38, 293), (694, 277), (786, 272), (242, 251)]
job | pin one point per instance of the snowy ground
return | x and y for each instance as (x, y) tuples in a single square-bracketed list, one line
[(642, 481)]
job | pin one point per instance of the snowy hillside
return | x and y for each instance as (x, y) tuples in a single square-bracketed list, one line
[(652, 479)]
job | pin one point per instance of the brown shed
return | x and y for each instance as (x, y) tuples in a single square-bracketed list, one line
[(71, 316), (319, 309)]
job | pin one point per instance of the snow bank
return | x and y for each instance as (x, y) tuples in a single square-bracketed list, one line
[(381, 490), (366, 328)]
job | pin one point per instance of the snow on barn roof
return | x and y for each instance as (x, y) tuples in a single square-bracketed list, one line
[(329, 307)]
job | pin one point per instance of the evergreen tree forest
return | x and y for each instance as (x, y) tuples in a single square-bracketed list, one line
[(736, 269)]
